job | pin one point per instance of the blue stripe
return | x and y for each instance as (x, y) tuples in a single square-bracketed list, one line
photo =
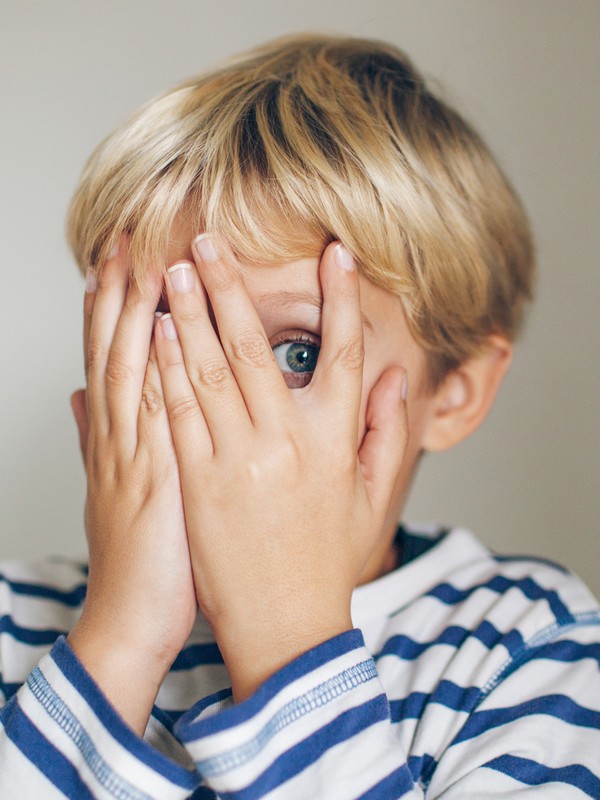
[(168, 716), (552, 705), (197, 655), (447, 694), (413, 545), (406, 648), (307, 752), (75, 673), (67, 597), (568, 651), (396, 785), (38, 750), (203, 793), (288, 714), (525, 559), (422, 768), (189, 727), (8, 689), (29, 635), (534, 774), (450, 595)]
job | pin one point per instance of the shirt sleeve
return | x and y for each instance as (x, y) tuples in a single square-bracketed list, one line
[(321, 728), (60, 737)]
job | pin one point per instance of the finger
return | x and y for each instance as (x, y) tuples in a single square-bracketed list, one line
[(209, 371), (191, 436), (242, 335), (79, 408), (154, 431), (338, 375), (382, 450), (104, 307), (91, 283), (128, 357)]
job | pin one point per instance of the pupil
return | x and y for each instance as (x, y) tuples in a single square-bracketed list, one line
[(301, 357)]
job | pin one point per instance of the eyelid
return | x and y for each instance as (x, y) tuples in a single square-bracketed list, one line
[(295, 335)]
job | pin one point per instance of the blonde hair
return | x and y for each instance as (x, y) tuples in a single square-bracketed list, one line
[(309, 139)]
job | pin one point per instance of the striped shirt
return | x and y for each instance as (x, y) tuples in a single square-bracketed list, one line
[(467, 676)]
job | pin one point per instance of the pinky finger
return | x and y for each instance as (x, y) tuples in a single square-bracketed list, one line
[(191, 436)]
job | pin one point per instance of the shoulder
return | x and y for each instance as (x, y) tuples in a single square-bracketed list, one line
[(462, 618), (482, 651), (39, 601)]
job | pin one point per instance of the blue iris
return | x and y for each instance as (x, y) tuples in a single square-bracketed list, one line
[(302, 357)]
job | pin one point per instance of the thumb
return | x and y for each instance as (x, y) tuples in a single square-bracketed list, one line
[(384, 444), (79, 409)]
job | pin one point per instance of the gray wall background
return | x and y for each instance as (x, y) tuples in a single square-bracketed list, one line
[(524, 71)]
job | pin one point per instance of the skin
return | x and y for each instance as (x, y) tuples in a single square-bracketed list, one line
[(211, 483)]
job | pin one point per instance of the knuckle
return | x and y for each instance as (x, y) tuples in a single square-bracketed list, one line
[(351, 355), (187, 316), (183, 409), (213, 375), (152, 400), (280, 460), (252, 348), (118, 371), (95, 355), (107, 277), (174, 360)]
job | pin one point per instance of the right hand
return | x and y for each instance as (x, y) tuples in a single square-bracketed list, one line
[(140, 605)]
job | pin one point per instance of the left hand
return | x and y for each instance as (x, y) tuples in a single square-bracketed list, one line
[(282, 513)]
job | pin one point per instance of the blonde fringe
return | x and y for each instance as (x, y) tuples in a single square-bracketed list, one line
[(312, 138)]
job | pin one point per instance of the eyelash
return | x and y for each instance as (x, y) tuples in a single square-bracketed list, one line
[(298, 336)]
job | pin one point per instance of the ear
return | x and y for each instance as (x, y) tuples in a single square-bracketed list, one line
[(466, 395), (79, 408)]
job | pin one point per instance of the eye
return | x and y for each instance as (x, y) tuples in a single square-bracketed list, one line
[(297, 359)]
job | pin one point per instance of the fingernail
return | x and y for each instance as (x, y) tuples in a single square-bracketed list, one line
[(206, 247), (168, 327), (344, 258), (91, 281), (112, 253), (181, 277), (404, 389)]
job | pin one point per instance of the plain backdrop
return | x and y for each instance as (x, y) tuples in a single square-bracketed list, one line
[(525, 72)]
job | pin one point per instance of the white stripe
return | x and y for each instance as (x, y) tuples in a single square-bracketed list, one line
[(19, 778), (122, 765)]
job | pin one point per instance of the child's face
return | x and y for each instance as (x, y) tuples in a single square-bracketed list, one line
[(288, 298)]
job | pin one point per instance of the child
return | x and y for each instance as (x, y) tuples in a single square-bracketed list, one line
[(306, 271)]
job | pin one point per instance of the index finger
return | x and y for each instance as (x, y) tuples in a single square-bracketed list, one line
[(339, 371)]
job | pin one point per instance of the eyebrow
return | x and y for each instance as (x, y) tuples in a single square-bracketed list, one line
[(277, 301)]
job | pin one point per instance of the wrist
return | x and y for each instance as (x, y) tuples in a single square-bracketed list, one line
[(254, 654), (127, 673)]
